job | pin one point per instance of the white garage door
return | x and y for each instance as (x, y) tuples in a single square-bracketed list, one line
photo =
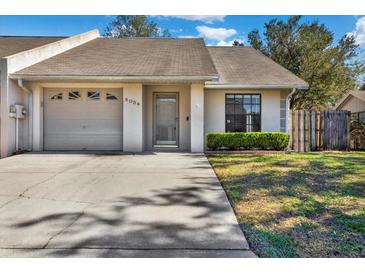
[(83, 119)]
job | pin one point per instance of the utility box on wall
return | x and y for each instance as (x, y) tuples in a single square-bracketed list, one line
[(17, 111)]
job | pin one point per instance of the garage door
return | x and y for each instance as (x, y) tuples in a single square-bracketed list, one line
[(83, 119)]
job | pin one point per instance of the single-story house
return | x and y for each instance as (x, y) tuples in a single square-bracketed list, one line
[(354, 101), (88, 92)]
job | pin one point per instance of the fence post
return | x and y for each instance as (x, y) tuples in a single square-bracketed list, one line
[(296, 131), (348, 134), (307, 131), (321, 130), (290, 129), (301, 132), (313, 130)]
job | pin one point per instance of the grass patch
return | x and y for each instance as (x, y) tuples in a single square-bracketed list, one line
[(298, 205)]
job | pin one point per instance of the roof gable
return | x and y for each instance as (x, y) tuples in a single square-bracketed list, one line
[(359, 94)]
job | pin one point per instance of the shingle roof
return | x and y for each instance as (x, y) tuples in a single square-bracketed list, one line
[(245, 65), (10, 45), (129, 57)]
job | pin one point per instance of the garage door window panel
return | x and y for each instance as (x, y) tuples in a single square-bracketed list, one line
[(74, 95), (93, 95), (56, 96), (111, 96)]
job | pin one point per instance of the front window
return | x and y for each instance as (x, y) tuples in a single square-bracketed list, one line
[(243, 112)]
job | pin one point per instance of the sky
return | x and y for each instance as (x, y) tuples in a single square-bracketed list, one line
[(216, 30)]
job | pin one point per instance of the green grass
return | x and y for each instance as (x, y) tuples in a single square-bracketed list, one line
[(298, 205)]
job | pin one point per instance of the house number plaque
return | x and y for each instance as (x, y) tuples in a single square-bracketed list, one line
[(131, 101)]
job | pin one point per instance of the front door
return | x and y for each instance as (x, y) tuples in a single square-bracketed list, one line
[(166, 119)]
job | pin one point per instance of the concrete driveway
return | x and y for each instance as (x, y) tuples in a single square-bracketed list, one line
[(117, 205)]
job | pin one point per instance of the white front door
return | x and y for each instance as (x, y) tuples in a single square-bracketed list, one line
[(166, 119), (83, 119)]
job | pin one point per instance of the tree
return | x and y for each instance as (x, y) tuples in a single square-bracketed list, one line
[(237, 43), (134, 26), (309, 51)]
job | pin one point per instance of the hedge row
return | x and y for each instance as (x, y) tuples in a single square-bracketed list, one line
[(248, 140)]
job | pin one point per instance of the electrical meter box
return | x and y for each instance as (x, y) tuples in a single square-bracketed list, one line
[(17, 111)]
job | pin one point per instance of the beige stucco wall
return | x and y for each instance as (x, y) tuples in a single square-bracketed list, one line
[(141, 119), (215, 109), (354, 104), (184, 112), (144, 112)]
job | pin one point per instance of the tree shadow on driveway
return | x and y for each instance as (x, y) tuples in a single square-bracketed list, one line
[(195, 215)]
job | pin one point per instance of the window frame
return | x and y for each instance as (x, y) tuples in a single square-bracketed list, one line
[(260, 109)]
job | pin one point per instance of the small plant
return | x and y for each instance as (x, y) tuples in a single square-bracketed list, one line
[(248, 140)]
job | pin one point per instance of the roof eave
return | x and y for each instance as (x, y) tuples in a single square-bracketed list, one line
[(209, 85), (106, 78)]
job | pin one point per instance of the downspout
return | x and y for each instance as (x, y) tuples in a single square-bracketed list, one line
[(30, 112)]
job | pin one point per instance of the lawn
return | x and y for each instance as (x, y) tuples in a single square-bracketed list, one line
[(298, 205)]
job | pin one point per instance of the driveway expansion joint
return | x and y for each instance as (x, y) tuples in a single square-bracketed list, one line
[(55, 175)]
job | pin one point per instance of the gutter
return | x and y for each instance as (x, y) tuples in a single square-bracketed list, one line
[(30, 112), (96, 78), (243, 86)]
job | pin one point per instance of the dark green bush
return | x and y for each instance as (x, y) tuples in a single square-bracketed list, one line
[(248, 140)]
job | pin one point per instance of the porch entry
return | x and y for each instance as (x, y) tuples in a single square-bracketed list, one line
[(166, 119)]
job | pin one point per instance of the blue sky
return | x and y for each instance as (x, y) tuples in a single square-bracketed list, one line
[(216, 30)]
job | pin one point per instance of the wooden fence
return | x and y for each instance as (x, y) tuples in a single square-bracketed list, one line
[(325, 130)]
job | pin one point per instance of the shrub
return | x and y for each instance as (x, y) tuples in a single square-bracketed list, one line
[(248, 140)]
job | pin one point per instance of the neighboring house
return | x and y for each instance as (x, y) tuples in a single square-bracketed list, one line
[(135, 94), (354, 101)]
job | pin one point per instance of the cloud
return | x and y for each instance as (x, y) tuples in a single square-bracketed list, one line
[(208, 19), (227, 44), (219, 34), (186, 36), (359, 31)]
